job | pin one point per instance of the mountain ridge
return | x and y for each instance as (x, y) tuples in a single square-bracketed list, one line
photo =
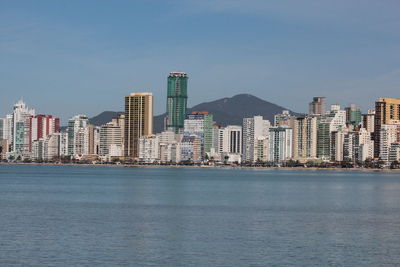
[(226, 111)]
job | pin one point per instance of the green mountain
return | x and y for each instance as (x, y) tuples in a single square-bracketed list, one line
[(226, 111)]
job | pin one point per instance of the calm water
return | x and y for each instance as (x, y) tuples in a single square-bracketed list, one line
[(102, 216)]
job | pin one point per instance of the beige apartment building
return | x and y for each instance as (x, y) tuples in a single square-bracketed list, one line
[(138, 121), (387, 111)]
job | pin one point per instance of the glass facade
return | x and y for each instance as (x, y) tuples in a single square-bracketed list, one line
[(200, 124), (353, 115), (1, 129), (19, 137), (176, 101)]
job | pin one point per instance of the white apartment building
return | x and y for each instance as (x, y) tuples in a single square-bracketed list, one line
[(253, 128), (394, 152), (51, 146), (388, 136), (280, 144), (169, 147), (365, 145), (78, 137), (110, 135), (230, 139), (63, 144), (149, 149), (20, 113)]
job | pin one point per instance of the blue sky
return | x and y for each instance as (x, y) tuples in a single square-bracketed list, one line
[(70, 57)]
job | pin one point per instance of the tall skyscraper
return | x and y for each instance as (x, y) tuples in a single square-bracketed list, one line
[(176, 101), (317, 106), (387, 111), (138, 121)]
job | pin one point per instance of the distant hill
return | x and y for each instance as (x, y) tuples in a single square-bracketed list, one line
[(226, 111), (104, 117)]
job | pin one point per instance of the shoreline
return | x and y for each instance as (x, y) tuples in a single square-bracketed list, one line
[(201, 167)]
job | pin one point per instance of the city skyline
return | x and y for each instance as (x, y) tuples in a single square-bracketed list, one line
[(344, 136), (64, 121), (327, 106), (346, 51), (199, 132)]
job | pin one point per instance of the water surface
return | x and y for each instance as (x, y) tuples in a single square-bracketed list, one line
[(115, 216)]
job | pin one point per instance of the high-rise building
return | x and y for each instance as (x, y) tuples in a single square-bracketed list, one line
[(8, 128), (389, 134), (365, 145), (284, 119), (338, 118), (44, 125), (387, 111), (93, 136), (230, 139), (27, 142), (110, 134), (394, 153), (39, 127), (20, 114), (333, 122), (149, 148), (120, 121), (215, 140), (138, 121), (253, 129), (2, 122), (262, 151), (350, 146), (170, 146), (317, 106), (305, 137), (63, 144), (51, 147), (19, 137), (191, 148), (38, 149), (280, 144), (336, 145), (176, 101), (4, 147), (368, 121), (78, 142), (200, 124), (353, 115)]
